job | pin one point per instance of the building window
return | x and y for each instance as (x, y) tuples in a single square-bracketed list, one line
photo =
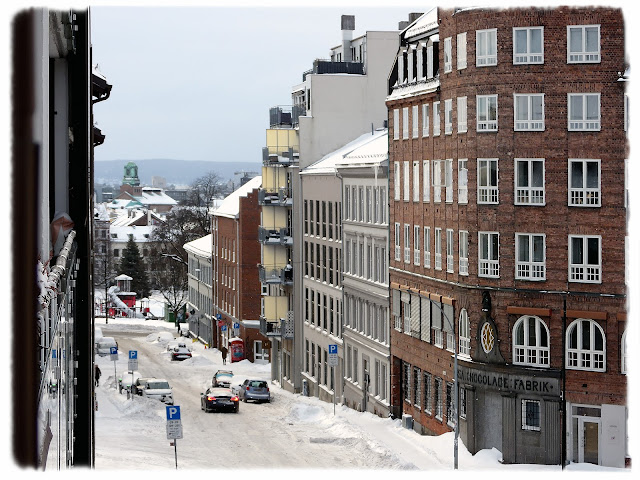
[(414, 121), (530, 256), (449, 250), (416, 245), (583, 44), (436, 119), (586, 346), (397, 241), (437, 248), (462, 400), (407, 243), (584, 259), (462, 114), (405, 123), (623, 354), (486, 47), (487, 180), (450, 405), (405, 174), (461, 46), (438, 397), (463, 194), (448, 116), (406, 381), (584, 183), (437, 337), (396, 124), (427, 247), (396, 182), (529, 181), (416, 386), (437, 181), (427, 392), (448, 180), (426, 185), (531, 342), (416, 181), (528, 45), (425, 120), (531, 415), (463, 252), (447, 55), (584, 111), (487, 113), (528, 112), (116, 252), (489, 265), (464, 333)]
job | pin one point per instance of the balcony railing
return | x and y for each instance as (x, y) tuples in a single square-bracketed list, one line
[(327, 66), (275, 236), (275, 196), (283, 328), (285, 157), (286, 116), (275, 276)]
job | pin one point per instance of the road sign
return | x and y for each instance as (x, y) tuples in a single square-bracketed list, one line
[(133, 360), (223, 328), (174, 431), (236, 325), (173, 412), (114, 353), (333, 355), (219, 316), (133, 354), (174, 423)]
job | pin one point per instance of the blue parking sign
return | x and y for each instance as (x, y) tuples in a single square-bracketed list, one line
[(173, 412), (333, 349), (223, 328), (133, 354), (113, 350)]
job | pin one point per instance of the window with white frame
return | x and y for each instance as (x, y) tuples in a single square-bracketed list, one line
[(585, 262), (405, 183), (406, 381), (584, 182), (417, 386), (437, 248), (449, 250), (406, 315), (461, 46), (414, 121), (486, 47), (531, 342), (396, 124), (436, 334), (397, 241), (462, 400), (436, 119), (584, 111), (438, 182), (448, 116), (487, 180), (530, 256), (437, 394), (531, 415), (407, 244), (448, 180), (462, 114), (447, 55), (529, 181), (427, 247), (583, 44), (426, 185), (416, 181), (528, 45), (487, 113), (426, 381), (405, 122), (463, 252), (624, 359), (586, 346), (396, 181), (528, 112), (488, 246), (463, 194), (464, 334), (429, 60), (416, 245), (425, 120)]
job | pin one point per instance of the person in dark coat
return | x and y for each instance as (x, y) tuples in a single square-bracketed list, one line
[(224, 351), (97, 375)]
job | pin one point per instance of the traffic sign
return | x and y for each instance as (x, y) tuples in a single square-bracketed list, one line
[(114, 353), (223, 328), (333, 348), (173, 412), (219, 316), (333, 355), (236, 325), (133, 354), (133, 360), (174, 423), (174, 431)]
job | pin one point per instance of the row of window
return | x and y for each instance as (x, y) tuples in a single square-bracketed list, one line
[(366, 257), (323, 311), (316, 365), (583, 114), (529, 182), (585, 253), (367, 318), (378, 382), (323, 219), (200, 300), (365, 204), (322, 263)]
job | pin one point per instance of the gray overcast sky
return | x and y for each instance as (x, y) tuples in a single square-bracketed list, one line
[(196, 83)]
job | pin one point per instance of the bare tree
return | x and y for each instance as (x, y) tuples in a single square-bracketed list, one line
[(203, 190), (170, 279)]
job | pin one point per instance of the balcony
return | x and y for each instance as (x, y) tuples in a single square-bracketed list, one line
[(275, 276), (275, 197), (282, 328), (275, 236), (283, 158), (285, 116), (321, 67)]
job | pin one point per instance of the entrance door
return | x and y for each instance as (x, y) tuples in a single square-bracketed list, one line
[(259, 353), (588, 435)]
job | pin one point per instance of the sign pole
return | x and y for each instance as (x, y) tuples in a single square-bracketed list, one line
[(334, 390), (175, 450)]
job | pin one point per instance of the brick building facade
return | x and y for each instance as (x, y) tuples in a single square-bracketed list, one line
[(508, 226)]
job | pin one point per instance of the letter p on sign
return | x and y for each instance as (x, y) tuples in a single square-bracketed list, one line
[(173, 412)]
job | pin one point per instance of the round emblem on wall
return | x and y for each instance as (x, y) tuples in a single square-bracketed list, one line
[(487, 337)]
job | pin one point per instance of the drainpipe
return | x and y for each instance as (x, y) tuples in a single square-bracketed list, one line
[(564, 382)]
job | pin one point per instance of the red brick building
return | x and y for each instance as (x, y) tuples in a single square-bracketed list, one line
[(508, 229), (236, 254)]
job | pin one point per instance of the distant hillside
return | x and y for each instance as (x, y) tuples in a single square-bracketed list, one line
[(176, 172)]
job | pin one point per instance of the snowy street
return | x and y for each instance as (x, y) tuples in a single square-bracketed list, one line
[(291, 431)]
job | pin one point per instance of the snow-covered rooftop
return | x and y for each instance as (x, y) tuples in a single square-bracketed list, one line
[(141, 233), (200, 246), (426, 22), (230, 206)]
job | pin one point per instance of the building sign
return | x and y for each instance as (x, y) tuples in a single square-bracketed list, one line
[(509, 382)]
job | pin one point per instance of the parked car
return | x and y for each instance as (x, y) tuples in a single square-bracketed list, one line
[(181, 352), (125, 379), (103, 346), (222, 378), (257, 390), (183, 329), (164, 337), (218, 399), (140, 384), (159, 389)]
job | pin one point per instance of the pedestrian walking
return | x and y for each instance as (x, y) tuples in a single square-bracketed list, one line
[(224, 351), (97, 375)]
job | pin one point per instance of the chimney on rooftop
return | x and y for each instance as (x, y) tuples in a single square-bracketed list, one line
[(348, 25), (402, 25), (414, 16)]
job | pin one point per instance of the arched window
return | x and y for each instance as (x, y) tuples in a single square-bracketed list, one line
[(623, 353), (464, 333), (531, 342), (586, 346)]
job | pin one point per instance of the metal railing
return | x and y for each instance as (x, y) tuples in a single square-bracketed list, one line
[(281, 328), (275, 236), (272, 276), (275, 196)]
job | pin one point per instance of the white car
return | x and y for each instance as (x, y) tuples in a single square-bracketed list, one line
[(183, 329), (159, 389), (103, 346), (126, 379)]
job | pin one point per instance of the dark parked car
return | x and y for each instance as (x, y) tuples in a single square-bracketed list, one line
[(219, 399), (257, 390), (181, 352), (222, 378)]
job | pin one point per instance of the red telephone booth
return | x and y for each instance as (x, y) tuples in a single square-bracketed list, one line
[(236, 348)]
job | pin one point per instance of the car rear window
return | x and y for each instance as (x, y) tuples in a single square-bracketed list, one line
[(258, 384), (157, 385)]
